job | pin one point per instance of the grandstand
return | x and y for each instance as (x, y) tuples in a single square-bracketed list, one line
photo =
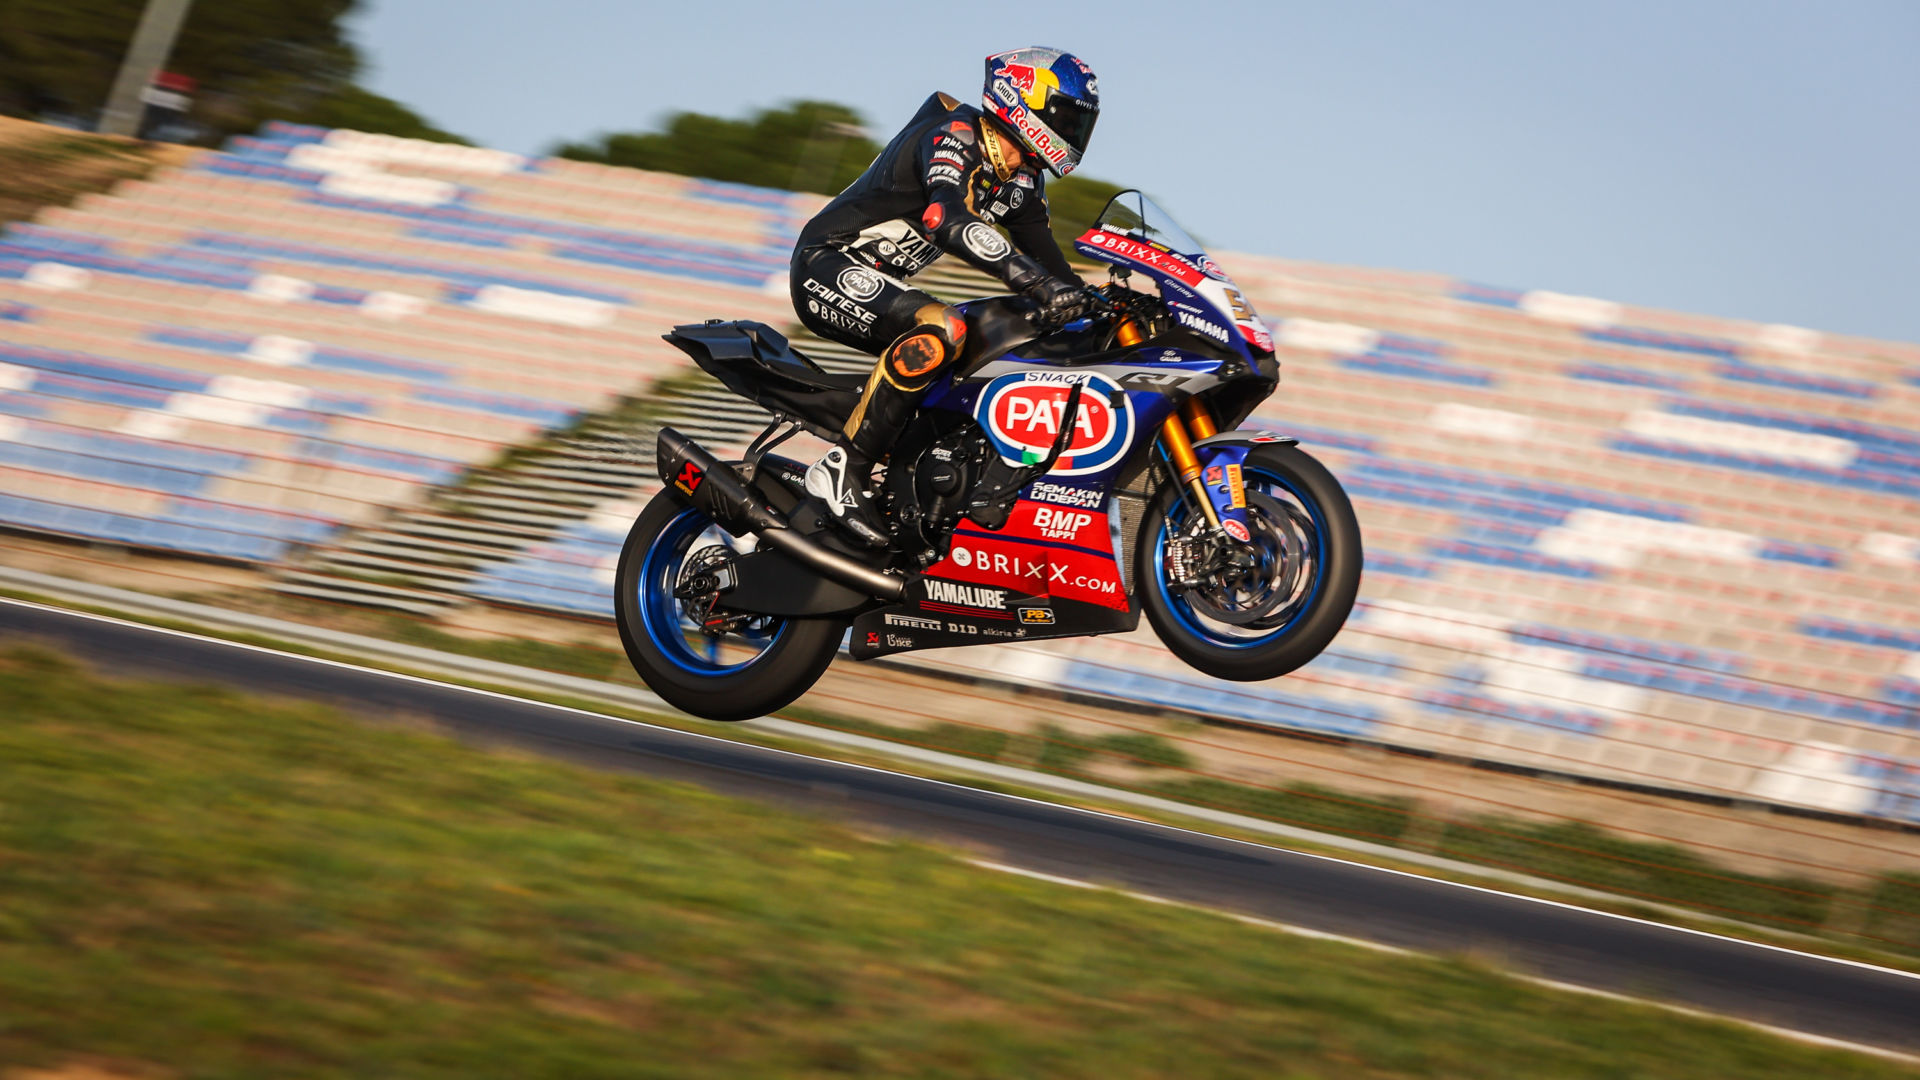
[(1659, 549)]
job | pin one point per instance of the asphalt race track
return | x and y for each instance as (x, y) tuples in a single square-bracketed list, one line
[(1815, 995)]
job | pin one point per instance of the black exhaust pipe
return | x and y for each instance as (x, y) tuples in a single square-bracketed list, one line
[(719, 492)]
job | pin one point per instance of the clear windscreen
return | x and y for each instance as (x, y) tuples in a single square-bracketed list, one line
[(1132, 213), (1200, 296)]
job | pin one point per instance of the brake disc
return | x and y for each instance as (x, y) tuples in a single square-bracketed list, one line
[(1252, 584), (707, 574)]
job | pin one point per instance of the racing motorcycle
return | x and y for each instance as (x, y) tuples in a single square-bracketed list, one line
[(1051, 485)]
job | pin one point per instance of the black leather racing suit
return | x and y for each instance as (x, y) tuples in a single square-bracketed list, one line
[(938, 187)]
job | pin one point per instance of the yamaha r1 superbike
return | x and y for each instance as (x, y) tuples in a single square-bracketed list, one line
[(1050, 486)]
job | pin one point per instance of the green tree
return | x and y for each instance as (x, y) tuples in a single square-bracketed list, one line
[(254, 60), (806, 146), (1074, 204), (363, 110)]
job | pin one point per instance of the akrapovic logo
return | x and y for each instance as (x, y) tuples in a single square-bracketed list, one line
[(973, 596)]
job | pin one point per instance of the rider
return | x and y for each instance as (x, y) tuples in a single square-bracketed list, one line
[(941, 185)]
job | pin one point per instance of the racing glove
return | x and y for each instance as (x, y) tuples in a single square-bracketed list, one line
[(1060, 302)]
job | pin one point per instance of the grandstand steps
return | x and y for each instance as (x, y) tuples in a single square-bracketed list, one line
[(561, 495), (359, 560), (591, 472), (531, 500), (432, 527), (403, 549), (336, 589), (437, 550), (565, 489)]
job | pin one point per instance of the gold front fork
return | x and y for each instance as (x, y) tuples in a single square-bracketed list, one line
[(1195, 418)]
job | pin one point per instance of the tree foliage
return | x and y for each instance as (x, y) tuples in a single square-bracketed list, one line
[(806, 146), (254, 60), (363, 110), (1073, 205)]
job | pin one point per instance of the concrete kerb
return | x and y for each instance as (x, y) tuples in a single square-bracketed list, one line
[(396, 654)]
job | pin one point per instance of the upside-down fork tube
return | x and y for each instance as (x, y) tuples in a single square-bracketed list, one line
[(1199, 418), (1179, 447), (717, 491)]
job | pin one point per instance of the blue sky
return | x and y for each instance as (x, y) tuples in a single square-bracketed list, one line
[(1757, 160)]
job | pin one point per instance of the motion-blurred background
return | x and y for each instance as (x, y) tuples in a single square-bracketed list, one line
[(1603, 316)]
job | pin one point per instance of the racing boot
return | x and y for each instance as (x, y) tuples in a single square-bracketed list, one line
[(841, 479), (899, 381)]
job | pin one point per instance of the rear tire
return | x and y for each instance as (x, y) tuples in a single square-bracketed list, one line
[(683, 666), (1329, 571)]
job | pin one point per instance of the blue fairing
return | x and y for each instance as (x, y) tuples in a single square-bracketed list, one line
[(1142, 379)]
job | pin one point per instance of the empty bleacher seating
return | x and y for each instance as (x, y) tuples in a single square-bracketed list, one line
[(1615, 542)]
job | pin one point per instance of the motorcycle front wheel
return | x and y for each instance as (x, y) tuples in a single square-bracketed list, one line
[(1291, 588), (756, 666)]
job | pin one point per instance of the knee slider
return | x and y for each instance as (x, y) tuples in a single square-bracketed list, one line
[(917, 356)]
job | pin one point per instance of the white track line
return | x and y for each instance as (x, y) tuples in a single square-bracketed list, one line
[(1864, 966), (1551, 984)]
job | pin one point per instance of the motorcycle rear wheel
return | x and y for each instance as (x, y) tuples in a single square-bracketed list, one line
[(1313, 548), (761, 667)]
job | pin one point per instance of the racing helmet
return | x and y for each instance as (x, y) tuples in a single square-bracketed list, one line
[(1048, 99)]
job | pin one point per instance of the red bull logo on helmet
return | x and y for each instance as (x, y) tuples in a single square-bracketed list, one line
[(1034, 83), (1039, 136)]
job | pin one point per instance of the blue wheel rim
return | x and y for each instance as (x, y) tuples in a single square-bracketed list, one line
[(1183, 612), (675, 636)]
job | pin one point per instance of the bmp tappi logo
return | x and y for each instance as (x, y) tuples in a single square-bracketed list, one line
[(1021, 413)]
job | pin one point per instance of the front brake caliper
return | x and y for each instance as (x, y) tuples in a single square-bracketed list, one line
[(1183, 561)]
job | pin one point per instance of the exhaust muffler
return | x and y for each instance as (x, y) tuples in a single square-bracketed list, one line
[(719, 492)]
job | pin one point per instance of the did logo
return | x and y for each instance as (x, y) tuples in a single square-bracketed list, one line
[(1022, 412)]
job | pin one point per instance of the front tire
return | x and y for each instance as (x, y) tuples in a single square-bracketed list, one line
[(761, 667), (1314, 546)]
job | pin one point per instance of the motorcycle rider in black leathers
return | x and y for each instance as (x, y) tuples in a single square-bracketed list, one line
[(940, 186)]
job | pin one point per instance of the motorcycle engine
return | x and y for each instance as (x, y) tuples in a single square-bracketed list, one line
[(930, 484)]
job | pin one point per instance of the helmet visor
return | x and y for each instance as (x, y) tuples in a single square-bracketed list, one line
[(1070, 118)]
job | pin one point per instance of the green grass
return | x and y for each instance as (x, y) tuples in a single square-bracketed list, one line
[(214, 886), (1146, 749), (48, 167), (1893, 910), (1878, 923), (1381, 820), (1575, 853), (1579, 852)]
